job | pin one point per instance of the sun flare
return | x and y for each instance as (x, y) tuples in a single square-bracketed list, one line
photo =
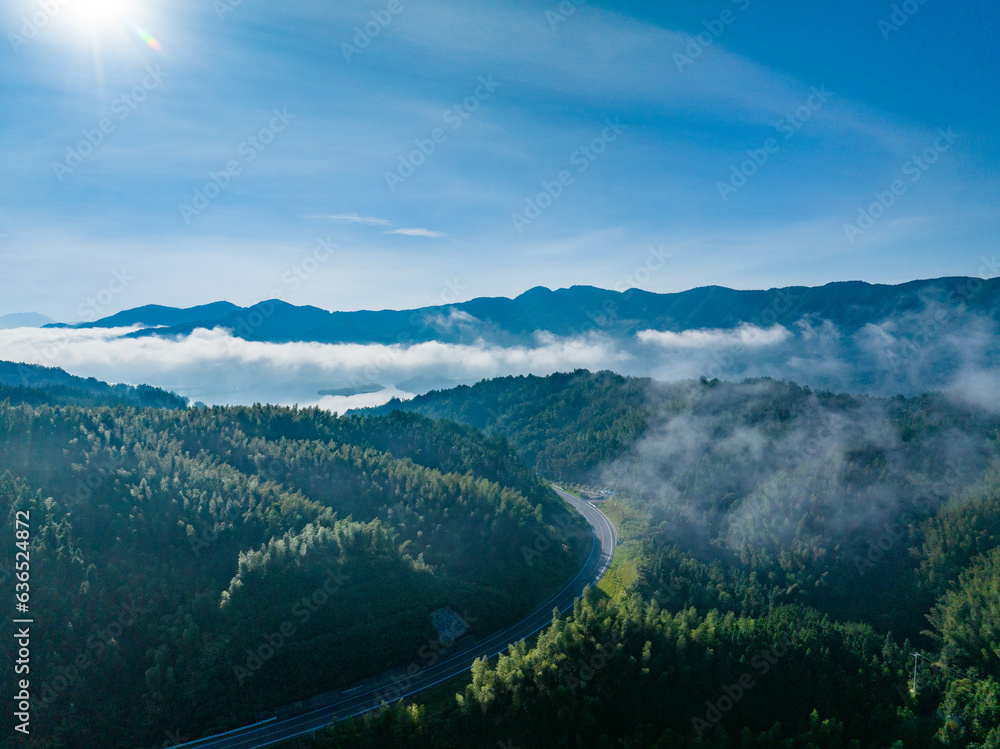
[(111, 23), (102, 13)]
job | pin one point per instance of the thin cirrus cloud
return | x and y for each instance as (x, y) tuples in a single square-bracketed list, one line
[(419, 233), (354, 218)]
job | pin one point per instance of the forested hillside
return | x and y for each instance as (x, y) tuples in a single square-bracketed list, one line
[(783, 553), (786, 493), (34, 385), (169, 546), (760, 515), (626, 673), (567, 425)]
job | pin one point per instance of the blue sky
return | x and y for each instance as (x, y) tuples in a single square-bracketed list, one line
[(837, 106)]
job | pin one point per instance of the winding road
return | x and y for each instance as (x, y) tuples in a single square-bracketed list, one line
[(274, 730)]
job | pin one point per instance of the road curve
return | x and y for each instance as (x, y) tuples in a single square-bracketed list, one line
[(273, 730)]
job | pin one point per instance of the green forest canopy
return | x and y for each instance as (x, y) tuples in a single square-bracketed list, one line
[(166, 544), (783, 552)]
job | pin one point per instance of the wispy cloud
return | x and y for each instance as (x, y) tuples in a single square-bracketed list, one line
[(215, 366), (419, 233), (745, 335), (354, 218), (900, 355)]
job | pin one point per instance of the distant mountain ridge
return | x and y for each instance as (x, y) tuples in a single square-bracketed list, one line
[(568, 312), (156, 315), (23, 320)]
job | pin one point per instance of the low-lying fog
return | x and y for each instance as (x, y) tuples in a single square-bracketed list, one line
[(936, 349)]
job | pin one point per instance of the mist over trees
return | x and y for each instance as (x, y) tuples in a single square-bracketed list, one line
[(872, 523), (936, 334)]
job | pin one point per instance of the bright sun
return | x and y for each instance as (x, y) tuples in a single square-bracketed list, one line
[(110, 23), (102, 13)]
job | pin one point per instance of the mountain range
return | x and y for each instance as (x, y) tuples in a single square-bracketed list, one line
[(937, 334), (572, 311)]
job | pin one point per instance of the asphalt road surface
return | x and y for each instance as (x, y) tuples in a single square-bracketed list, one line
[(274, 730)]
